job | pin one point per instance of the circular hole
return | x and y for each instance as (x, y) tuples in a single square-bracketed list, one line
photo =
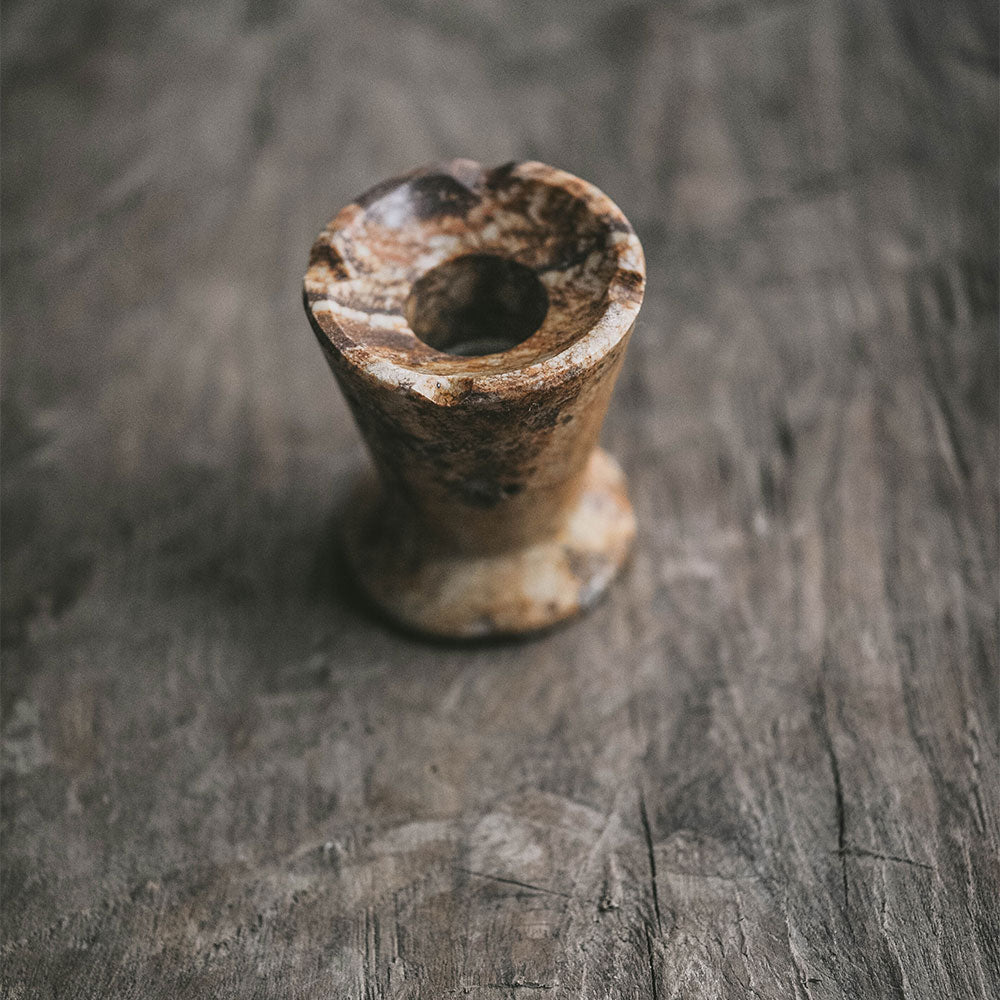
[(475, 305)]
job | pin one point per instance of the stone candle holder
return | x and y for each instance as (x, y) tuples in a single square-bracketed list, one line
[(476, 320)]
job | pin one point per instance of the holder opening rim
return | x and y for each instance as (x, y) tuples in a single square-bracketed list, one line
[(382, 342)]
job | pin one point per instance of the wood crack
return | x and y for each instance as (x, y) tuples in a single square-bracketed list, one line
[(654, 982), (652, 861), (838, 788)]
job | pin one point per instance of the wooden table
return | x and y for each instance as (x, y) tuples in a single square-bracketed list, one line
[(766, 765)]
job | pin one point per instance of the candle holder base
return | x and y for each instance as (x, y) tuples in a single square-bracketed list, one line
[(463, 596)]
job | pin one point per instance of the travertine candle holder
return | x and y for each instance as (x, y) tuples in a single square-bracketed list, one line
[(476, 320)]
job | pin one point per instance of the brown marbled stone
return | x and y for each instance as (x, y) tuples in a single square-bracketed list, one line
[(495, 512)]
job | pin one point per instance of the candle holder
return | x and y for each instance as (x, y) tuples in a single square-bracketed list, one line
[(476, 320)]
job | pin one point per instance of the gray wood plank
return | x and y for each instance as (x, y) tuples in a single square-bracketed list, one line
[(767, 765)]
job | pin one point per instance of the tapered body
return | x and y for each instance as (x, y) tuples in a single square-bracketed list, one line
[(476, 321)]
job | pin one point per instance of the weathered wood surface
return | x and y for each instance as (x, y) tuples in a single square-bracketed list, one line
[(766, 766)]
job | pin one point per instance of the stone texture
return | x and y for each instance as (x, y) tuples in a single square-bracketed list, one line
[(493, 513)]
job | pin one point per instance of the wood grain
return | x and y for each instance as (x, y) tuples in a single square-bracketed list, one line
[(767, 765)]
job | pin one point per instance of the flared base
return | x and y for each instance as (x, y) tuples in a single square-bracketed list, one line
[(469, 597)]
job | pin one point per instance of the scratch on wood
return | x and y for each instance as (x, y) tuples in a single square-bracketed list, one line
[(519, 984), (800, 979), (515, 882), (861, 852), (973, 743), (514, 984), (611, 896)]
